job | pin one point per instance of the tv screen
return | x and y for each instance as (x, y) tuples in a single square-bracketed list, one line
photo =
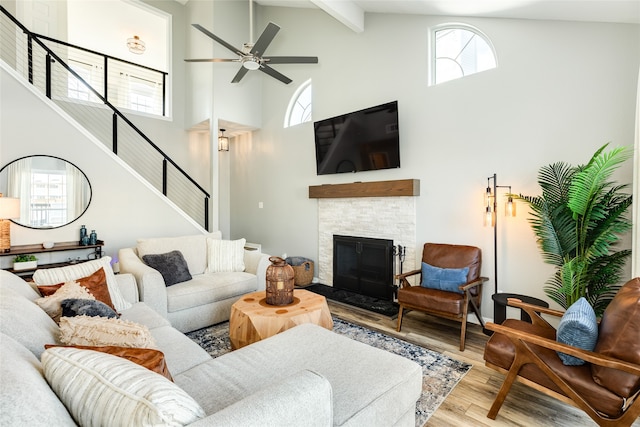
[(359, 141)]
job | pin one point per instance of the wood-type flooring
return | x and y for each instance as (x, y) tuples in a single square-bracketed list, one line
[(469, 402)]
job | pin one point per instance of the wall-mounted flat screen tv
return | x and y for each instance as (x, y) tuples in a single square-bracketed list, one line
[(360, 141)]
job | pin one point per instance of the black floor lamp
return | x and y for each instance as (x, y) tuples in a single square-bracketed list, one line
[(491, 220)]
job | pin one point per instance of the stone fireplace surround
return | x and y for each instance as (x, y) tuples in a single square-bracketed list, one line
[(384, 215)]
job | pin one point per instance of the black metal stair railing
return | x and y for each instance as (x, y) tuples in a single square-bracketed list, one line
[(94, 107)]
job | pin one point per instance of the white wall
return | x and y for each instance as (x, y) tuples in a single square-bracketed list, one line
[(561, 91), (122, 208)]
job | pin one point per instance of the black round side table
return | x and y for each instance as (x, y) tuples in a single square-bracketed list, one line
[(500, 306)]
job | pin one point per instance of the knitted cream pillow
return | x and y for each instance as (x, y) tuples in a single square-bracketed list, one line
[(100, 331), (52, 303), (103, 389), (225, 255)]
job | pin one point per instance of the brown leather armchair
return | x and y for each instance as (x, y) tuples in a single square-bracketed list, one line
[(450, 305), (606, 387)]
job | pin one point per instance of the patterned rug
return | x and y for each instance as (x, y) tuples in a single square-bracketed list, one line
[(440, 373)]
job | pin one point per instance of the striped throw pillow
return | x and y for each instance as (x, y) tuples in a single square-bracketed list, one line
[(103, 389), (225, 255)]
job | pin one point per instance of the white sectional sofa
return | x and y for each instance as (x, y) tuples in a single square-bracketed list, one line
[(306, 376), (204, 300)]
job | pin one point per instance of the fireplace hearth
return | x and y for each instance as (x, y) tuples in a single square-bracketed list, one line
[(363, 265)]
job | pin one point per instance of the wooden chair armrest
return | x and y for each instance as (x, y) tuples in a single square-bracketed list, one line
[(588, 356), (515, 302), (404, 283), (407, 274), (473, 284)]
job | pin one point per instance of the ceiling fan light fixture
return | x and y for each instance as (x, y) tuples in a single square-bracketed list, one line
[(250, 64)]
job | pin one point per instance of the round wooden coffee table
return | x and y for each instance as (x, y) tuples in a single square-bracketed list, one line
[(252, 319)]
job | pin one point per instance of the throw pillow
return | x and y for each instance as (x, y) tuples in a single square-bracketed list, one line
[(225, 255), (171, 265), (193, 248), (78, 307), (52, 303), (98, 331), (96, 284), (103, 389), (51, 276), (445, 279), (578, 328), (149, 358)]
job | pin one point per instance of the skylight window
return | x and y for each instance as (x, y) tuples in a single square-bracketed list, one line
[(460, 50)]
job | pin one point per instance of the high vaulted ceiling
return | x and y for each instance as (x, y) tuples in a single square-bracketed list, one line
[(351, 12)]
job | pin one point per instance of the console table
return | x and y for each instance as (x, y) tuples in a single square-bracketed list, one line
[(95, 252)]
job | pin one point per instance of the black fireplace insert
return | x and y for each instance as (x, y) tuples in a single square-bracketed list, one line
[(363, 265)]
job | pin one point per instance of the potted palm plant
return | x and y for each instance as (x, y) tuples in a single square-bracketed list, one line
[(578, 220)]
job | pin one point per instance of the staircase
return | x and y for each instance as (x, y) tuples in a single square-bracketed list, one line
[(44, 64)]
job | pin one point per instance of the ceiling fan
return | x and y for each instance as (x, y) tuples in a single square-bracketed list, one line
[(251, 56)]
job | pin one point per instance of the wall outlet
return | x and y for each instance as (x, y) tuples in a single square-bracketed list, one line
[(260, 205)]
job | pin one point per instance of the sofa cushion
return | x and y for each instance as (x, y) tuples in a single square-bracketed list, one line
[(142, 313), (360, 398), (193, 248), (180, 352), (26, 322), (149, 358), (52, 276), (19, 285), (100, 331), (72, 307), (618, 337), (25, 397), (445, 279), (225, 255), (208, 288), (171, 266), (578, 328), (52, 303), (103, 389)]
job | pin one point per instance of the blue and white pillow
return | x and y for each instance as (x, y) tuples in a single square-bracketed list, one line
[(578, 328), (445, 279)]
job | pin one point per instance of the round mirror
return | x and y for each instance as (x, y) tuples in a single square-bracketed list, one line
[(52, 191)]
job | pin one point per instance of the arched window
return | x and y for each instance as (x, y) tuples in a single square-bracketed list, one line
[(299, 110), (459, 50)]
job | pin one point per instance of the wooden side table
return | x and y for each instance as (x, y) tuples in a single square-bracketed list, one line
[(252, 319)]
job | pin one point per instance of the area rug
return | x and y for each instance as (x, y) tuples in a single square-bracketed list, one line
[(377, 305), (440, 373)]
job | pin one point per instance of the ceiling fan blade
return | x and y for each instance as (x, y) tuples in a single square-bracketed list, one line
[(291, 59), (213, 60), (239, 75), (265, 39), (273, 73), (218, 39)]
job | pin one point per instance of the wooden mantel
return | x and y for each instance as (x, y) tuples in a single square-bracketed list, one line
[(401, 187)]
